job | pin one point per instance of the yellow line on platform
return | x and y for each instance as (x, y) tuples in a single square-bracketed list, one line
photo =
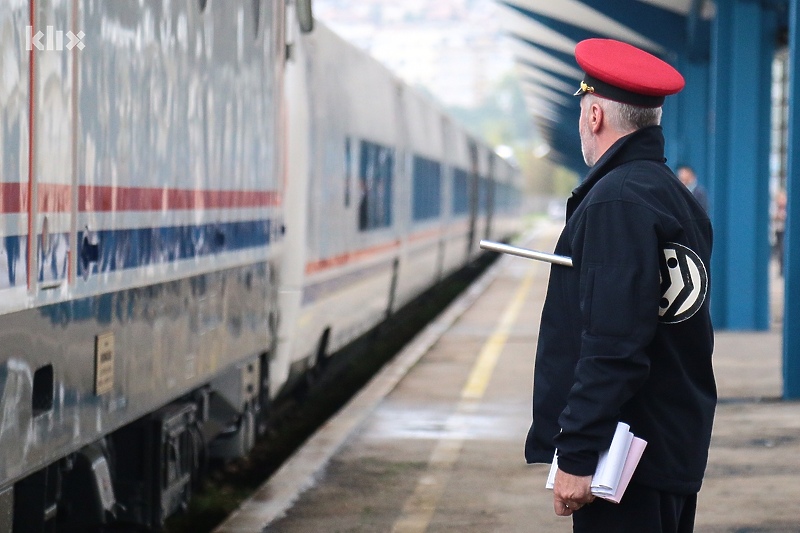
[(490, 353), (421, 505)]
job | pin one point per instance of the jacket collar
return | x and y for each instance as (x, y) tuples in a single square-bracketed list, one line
[(644, 144)]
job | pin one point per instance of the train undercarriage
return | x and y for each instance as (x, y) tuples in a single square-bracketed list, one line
[(137, 476)]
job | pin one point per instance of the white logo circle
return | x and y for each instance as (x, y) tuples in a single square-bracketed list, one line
[(684, 283)]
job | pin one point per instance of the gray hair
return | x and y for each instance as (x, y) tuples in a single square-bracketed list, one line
[(626, 118)]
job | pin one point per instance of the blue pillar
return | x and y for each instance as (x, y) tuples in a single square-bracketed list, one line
[(791, 316), (691, 146), (742, 47)]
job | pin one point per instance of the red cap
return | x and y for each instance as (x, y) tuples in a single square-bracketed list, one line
[(621, 72)]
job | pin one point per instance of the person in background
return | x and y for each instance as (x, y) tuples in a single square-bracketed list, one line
[(779, 226), (688, 177), (626, 332)]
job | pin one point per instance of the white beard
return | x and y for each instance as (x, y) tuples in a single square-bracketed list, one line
[(587, 149)]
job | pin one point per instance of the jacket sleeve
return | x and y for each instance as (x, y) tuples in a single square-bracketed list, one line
[(617, 244)]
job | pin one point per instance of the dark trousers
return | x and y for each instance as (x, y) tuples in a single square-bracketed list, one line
[(642, 510)]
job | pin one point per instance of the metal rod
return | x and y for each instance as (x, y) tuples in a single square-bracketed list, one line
[(524, 252)]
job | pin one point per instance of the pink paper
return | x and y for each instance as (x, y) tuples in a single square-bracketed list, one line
[(634, 454)]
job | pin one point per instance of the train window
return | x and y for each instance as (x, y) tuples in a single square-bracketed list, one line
[(305, 15), (507, 201), (203, 4), (483, 195), (427, 188), (375, 183), (460, 192)]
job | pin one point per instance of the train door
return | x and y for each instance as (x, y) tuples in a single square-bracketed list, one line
[(54, 44), (446, 191), (14, 150), (489, 197), (298, 113), (401, 193), (473, 184)]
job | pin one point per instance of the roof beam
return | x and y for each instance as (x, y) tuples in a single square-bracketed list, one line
[(575, 14), (533, 74), (572, 81), (541, 59), (556, 97), (518, 24), (665, 27), (567, 58)]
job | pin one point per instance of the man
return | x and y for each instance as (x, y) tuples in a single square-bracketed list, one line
[(688, 177), (626, 333)]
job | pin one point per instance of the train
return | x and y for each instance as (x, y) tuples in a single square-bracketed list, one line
[(202, 201)]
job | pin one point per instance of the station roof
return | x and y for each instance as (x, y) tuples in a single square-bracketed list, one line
[(543, 37)]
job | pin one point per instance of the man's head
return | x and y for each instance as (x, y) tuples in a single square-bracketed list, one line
[(604, 121), (686, 175), (622, 91)]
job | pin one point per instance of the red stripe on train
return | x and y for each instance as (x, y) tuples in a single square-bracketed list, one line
[(57, 198), (350, 257)]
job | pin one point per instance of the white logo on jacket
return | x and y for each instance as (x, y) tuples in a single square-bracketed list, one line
[(684, 283)]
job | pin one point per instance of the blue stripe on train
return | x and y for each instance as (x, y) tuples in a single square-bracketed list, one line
[(110, 250)]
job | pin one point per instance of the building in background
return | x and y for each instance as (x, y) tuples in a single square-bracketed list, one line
[(453, 48)]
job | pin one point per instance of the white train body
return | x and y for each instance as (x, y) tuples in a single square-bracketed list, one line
[(393, 195), (183, 235)]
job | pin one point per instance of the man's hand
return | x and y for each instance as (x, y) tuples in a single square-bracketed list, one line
[(570, 493)]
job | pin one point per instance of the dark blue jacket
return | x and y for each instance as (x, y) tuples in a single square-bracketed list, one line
[(626, 332)]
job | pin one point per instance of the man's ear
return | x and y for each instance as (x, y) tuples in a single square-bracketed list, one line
[(595, 118)]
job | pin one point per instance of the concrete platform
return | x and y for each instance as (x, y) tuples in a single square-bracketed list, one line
[(435, 442)]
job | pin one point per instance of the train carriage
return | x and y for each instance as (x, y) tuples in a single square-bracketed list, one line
[(141, 223), (421, 200), (462, 164), (506, 203), (343, 169)]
